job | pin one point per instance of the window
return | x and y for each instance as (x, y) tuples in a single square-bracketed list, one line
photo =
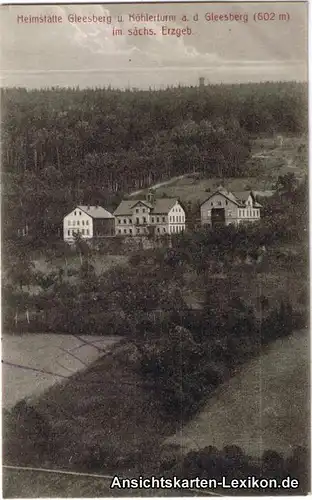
[(130, 231), (143, 210), (119, 221), (173, 218), (125, 221), (157, 219), (119, 231), (212, 203), (164, 229), (158, 230), (138, 230), (74, 223), (164, 219), (78, 223), (230, 213), (87, 222), (170, 218), (79, 213), (144, 220), (68, 222), (87, 231), (82, 231), (130, 221), (74, 213), (219, 203), (125, 230), (226, 202), (68, 232), (82, 222), (137, 220), (209, 213), (152, 219)]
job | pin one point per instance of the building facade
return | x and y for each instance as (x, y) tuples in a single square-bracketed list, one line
[(88, 222), (224, 208), (150, 216)]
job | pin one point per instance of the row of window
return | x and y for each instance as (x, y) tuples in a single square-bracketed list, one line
[(173, 218), (124, 221), (241, 213), (138, 230), (71, 232), (176, 229), (177, 209), (172, 229), (219, 203), (178, 218), (248, 213), (74, 223)]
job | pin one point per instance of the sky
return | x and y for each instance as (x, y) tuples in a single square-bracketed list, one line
[(89, 55)]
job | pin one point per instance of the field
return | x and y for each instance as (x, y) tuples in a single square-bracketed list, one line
[(265, 406), (28, 372)]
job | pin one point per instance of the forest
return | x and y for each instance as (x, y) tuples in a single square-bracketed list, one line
[(61, 147)]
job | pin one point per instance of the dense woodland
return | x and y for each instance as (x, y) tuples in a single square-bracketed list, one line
[(61, 147)]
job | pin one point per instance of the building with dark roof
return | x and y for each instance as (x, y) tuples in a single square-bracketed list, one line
[(224, 208), (152, 215), (88, 222)]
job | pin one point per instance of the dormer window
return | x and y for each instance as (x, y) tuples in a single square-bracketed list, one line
[(79, 213), (137, 210), (75, 213), (212, 203)]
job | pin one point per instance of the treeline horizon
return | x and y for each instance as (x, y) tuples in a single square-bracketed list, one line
[(164, 87)]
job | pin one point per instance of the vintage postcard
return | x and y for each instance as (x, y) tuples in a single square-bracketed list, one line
[(155, 249)]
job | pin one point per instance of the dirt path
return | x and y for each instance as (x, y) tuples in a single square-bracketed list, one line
[(266, 406), (160, 184)]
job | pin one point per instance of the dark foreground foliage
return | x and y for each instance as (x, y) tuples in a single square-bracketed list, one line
[(233, 463)]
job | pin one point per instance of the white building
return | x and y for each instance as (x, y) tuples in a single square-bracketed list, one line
[(88, 222), (225, 207), (157, 216)]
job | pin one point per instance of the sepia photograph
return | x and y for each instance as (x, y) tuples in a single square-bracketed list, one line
[(155, 250)]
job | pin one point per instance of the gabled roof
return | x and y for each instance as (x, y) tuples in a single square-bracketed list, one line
[(124, 208), (243, 195), (237, 197), (96, 212), (159, 206), (146, 203), (163, 205)]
